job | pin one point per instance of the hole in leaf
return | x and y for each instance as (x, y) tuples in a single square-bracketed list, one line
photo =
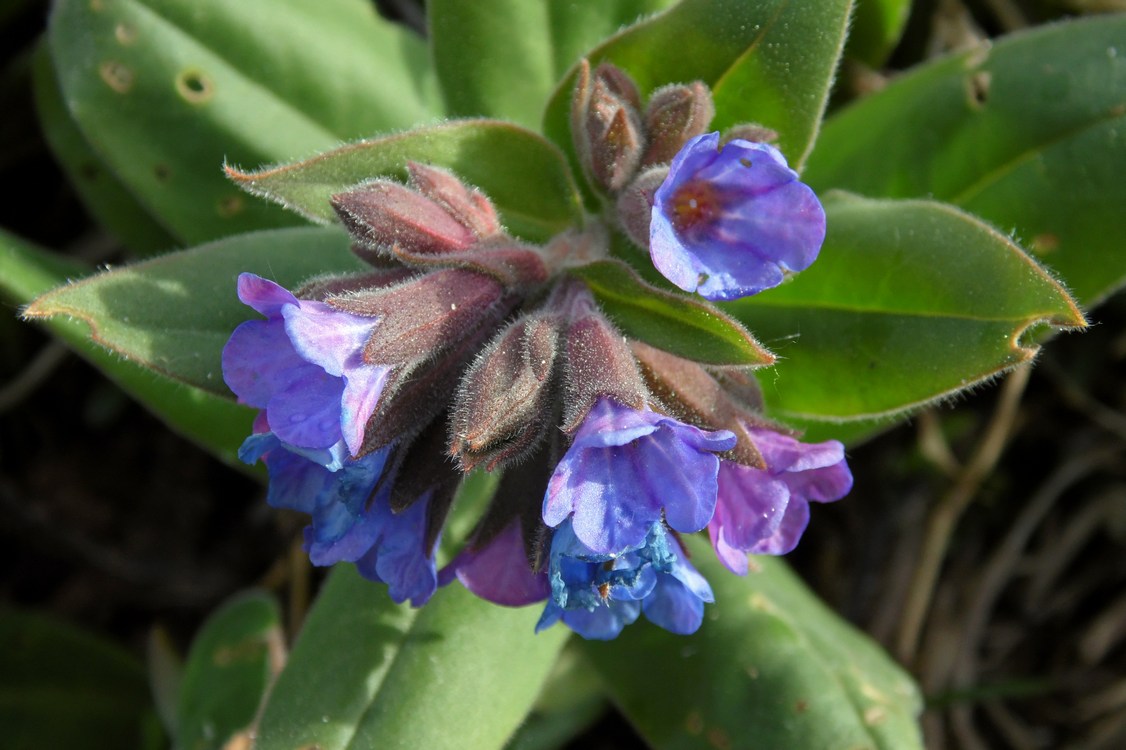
[(162, 172), (117, 76), (194, 86), (977, 88), (125, 34)]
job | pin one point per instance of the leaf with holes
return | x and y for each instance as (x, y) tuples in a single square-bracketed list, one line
[(770, 667), (909, 301), (101, 192), (517, 63), (672, 321), (1030, 134), (459, 673), (174, 314), (768, 62), (163, 92), (524, 175)]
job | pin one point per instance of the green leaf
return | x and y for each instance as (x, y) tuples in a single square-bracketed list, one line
[(231, 662), (1029, 134), (771, 667), (458, 673), (672, 321), (524, 175), (65, 688), (103, 195), (174, 314), (518, 49), (876, 28), (908, 302), (165, 91), (769, 62), (214, 423)]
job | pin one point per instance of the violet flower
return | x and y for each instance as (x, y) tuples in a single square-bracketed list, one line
[(598, 595), (626, 470), (351, 515), (728, 223), (303, 366), (498, 571), (765, 511)]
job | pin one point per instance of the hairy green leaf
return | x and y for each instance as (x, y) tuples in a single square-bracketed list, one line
[(459, 673), (909, 301), (771, 666), (1030, 134), (214, 423), (174, 314), (165, 90), (672, 321), (524, 175)]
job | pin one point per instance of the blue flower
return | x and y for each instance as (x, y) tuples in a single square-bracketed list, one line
[(303, 366), (765, 511), (498, 571), (597, 595), (626, 469), (352, 519), (729, 223)]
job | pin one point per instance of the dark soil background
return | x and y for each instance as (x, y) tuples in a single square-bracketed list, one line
[(110, 522)]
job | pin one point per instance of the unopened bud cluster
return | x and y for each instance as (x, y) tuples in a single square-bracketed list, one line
[(464, 348)]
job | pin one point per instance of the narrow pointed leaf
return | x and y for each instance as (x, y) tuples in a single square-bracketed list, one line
[(165, 90), (1029, 134), (173, 314), (458, 673), (214, 423), (517, 63), (770, 667), (231, 662), (674, 322), (768, 62), (909, 301), (524, 175)]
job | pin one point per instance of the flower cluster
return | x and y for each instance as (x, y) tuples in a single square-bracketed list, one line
[(464, 347)]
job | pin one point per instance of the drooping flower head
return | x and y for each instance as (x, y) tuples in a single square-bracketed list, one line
[(729, 222), (765, 511)]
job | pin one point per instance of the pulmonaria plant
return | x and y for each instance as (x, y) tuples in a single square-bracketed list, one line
[(464, 347)]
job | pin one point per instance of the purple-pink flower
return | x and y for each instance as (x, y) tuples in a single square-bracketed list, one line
[(765, 511), (729, 222), (303, 366), (628, 468)]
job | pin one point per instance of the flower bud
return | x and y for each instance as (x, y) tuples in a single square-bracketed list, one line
[(635, 204), (693, 395), (751, 131), (422, 316), (675, 114), (503, 406), (606, 125), (598, 359), (385, 215), (507, 260), (467, 205)]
